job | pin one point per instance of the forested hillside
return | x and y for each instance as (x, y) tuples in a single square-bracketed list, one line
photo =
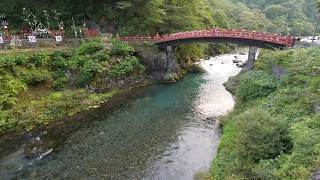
[(165, 16), (286, 16), (123, 17), (140, 17)]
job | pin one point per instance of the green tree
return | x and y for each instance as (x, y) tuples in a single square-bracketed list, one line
[(261, 136)]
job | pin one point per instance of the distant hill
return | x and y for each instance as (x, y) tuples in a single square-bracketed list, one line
[(297, 17)]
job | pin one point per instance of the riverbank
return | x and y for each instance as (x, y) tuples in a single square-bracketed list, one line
[(50, 135), (273, 131), (38, 87)]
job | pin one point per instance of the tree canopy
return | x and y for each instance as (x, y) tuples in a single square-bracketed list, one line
[(165, 16)]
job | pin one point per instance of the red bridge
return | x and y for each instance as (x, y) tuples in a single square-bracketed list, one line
[(250, 38)]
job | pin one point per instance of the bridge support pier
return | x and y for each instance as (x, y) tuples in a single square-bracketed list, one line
[(161, 62), (251, 58), (172, 64)]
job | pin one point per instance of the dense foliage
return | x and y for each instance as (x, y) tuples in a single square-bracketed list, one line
[(255, 84), (129, 17), (261, 136), (126, 67), (9, 88), (166, 16), (273, 132), (282, 16), (35, 86), (274, 135)]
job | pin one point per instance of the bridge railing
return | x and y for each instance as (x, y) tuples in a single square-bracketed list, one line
[(218, 33), (138, 38), (274, 38)]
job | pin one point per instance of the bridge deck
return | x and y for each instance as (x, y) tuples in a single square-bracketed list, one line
[(217, 33)]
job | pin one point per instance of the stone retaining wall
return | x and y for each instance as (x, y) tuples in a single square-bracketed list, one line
[(50, 42)]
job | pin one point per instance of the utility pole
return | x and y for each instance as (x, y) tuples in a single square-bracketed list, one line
[(317, 4), (316, 30)]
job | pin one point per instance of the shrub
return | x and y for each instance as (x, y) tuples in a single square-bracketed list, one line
[(78, 61), (255, 84), (58, 60), (21, 59), (90, 47), (7, 63), (292, 102), (60, 82), (88, 71), (100, 56), (261, 136), (61, 53), (129, 65), (4, 124), (60, 79), (120, 48), (266, 170), (9, 88), (39, 59), (34, 76), (268, 58), (304, 159)]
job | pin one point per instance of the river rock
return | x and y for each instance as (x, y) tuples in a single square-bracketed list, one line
[(316, 175), (240, 65), (232, 84), (37, 148), (196, 68), (33, 149), (170, 77), (236, 61), (211, 120)]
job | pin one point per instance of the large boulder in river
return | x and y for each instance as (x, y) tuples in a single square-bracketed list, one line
[(232, 84), (196, 68)]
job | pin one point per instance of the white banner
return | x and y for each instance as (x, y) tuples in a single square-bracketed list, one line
[(32, 39), (1, 40)]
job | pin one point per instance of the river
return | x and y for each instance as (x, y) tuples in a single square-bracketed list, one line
[(168, 132)]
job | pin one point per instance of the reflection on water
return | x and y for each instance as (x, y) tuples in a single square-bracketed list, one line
[(168, 133), (197, 142)]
